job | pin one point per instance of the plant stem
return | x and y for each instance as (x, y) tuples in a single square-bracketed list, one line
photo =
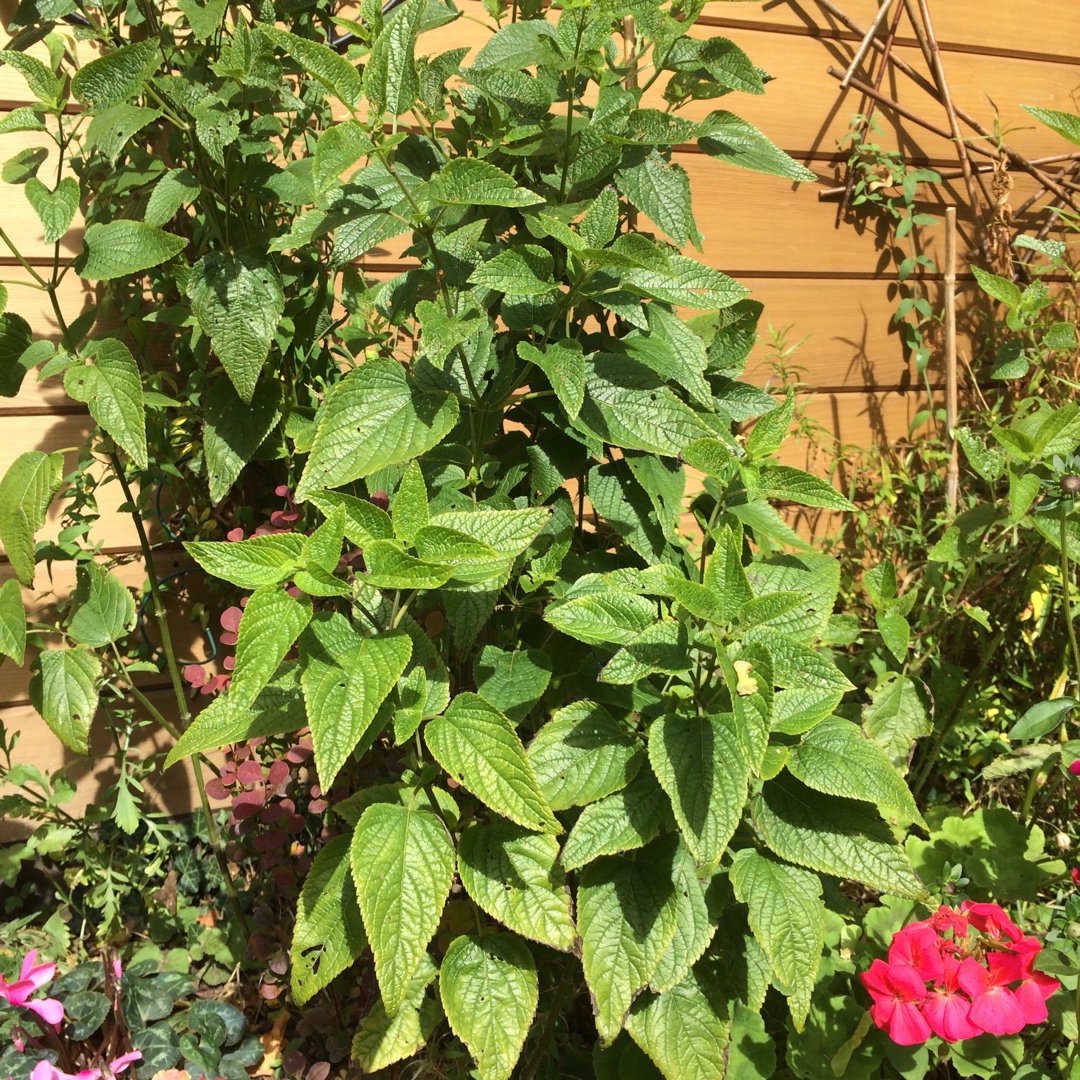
[(1066, 570)]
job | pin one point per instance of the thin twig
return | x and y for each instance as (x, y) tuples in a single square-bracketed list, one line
[(864, 46), (952, 473)]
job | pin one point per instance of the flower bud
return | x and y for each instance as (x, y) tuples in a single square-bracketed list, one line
[(1070, 484)]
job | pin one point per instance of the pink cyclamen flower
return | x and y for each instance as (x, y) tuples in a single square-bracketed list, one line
[(994, 1007), (897, 993), (32, 978), (46, 1070), (917, 946), (946, 1008)]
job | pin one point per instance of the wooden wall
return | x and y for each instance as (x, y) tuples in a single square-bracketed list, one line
[(832, 284)]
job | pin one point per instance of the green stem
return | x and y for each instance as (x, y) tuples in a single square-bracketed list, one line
[(22, 260), (1066, 570)]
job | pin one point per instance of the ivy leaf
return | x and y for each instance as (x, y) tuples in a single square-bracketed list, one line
[(277, 710), (479, 748), (329, 933), (56, 209), (512, 681), (683, 1032), (334, 72), (403, 866), (28, 487), (490, 992), (12, 622), (248, 564), (384, 1040), (727, 137), (103, 609), (895, 717), (624, 821), (16, 338), (628, 406), (43, 84), (376, 416), (112, 387), (234, 430), (64, 690), (471, 182), (564, 366), (116, 76), (513, 874), (787, 917), (345, 678), (701, 765), (123, 247), (238, 300), (583, 754), (795, 485), (694, 926), (627, 908), (836, 757), (833, 836), (176, 188), (271, 623)]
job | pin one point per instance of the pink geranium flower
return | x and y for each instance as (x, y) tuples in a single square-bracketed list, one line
[(991, 920), (32, 978), (946, 1008), (1035, 986), (994, 1007), (897, 993), (917, 946)]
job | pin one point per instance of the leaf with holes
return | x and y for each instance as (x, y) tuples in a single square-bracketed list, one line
[(514, 875), (490, 992), (64, 690)]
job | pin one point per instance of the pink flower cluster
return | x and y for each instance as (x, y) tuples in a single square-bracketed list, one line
[(956, 975), (32, 978), (46, 1070)]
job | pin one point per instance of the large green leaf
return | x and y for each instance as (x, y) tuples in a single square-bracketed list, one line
[(694, 926), (683, 1032), (247, 564), (64, 690), (613, 616), (43, 84), (103, 610), (376, 416), (117, 75), (725, 576), (795, 485), (278, 710), (403, 866), (624, 821), (335, 73), (787, 917), (838, 758), (727, 137), (490, 991), (123, 247), (176, 188), (235, 430), (391, 82), (480, 749), (624, 504), (271, 623), (112, 387), (895, 717), (16, 338), (238, 300), (109, 133), (583, 754), (28, 487), (564, 367), (663, 648), (364, 522), (12, 622), (509, 532), (627, 907), (384, 1040), (471, 182), (660, 189), (329, 933), (626, 404), (389, 566), (345, 677), (1066, 124), (834, 836), (56, 209), (700, 764), (512, 681), (514, 875), (525, 270)]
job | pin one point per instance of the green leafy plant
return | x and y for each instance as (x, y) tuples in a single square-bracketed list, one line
[(536, 691)]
